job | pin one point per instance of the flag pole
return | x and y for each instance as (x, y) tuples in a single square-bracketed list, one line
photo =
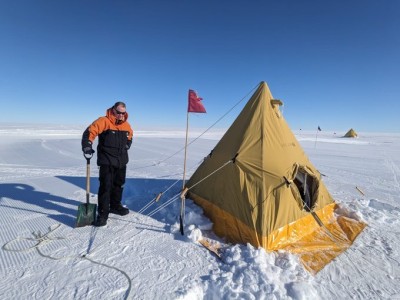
[(194, 105), (182, 214), (316, 137), (186, 140)]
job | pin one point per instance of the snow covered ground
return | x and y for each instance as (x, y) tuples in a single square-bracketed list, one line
[(144, 256)]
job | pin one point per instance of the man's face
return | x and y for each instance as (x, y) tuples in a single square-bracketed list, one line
[(119, 112)]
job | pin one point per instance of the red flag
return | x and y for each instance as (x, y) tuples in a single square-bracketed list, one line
[(195, 104)]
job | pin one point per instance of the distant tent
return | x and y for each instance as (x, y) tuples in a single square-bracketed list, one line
[(351, 133), (264, 190)]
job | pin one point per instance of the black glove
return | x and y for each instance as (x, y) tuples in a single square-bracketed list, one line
[(128, 144), (88, 150)]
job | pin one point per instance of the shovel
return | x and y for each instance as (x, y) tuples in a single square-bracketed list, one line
[(86, 211)]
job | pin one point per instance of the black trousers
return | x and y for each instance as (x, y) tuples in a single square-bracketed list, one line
[(112, 180)]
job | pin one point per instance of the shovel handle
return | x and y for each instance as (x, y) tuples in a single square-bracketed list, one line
[(88, 157)]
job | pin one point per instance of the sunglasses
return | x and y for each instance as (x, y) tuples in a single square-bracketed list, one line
[(119, 112)]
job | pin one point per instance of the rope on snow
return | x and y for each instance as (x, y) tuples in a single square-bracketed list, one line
[(45, 238)]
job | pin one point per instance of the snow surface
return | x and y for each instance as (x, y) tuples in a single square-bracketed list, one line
[(144, 256)]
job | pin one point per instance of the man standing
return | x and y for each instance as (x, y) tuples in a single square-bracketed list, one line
[(114, 140)]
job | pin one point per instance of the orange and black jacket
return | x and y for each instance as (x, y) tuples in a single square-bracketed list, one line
[(115, 138)]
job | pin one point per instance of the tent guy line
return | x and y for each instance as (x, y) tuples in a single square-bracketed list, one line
[(201, 134), (182, 193)]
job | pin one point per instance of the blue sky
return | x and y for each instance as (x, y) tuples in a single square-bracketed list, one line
[(335, 64)]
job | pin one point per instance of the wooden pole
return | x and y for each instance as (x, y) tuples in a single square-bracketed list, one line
[(184, 161), (182, 214), (361, 192)]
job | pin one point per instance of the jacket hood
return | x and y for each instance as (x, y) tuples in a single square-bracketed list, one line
[(112, 118)]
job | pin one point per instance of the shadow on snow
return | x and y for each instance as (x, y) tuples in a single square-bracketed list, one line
[(138, 192)]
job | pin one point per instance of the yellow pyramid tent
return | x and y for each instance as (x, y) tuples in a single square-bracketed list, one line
[(258, 186), (351, 133)]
